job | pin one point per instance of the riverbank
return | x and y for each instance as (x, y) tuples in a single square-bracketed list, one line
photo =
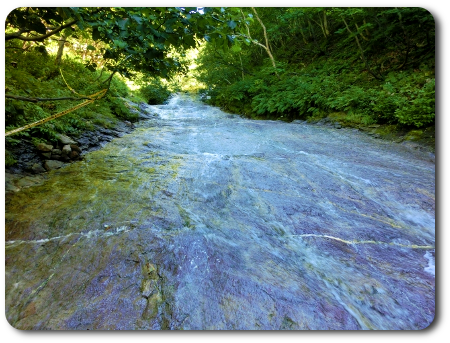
[(421, 139), (33, 162), (417, 139)]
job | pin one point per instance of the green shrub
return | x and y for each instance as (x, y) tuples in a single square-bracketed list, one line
[(419, 108), (154, 92), (9, 159)]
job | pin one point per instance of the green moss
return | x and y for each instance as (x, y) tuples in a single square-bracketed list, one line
[(85, 194), (414, 135), (337, 116), (35, 75), (9, 159), (185, 217), (390, 132)]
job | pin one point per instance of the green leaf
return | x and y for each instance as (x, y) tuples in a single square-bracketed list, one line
[(90, 47), (123, 23), (137, 18), (236, 47), (120, 43), (80, 25), (231, 24)]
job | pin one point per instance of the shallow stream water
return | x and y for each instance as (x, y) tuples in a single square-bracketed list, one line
[(200, 219)]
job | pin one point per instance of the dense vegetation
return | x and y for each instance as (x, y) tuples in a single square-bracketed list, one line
[(58, 57), (362, 65), (365, 65)]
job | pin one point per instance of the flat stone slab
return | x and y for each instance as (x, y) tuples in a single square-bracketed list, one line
[(29, 181)]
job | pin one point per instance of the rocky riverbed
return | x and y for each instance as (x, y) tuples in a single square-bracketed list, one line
[(202, 220), (34, 161)]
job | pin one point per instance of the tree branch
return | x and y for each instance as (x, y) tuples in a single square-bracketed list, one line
[(362, 52), (18, 97), (18, 34), (267, 47)]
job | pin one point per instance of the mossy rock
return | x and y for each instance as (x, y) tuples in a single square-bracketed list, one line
[(414, 135)]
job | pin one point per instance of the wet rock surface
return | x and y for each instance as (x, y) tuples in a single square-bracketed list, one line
[(43, 157), (200, 220)]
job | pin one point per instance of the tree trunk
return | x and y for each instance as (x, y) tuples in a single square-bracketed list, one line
[(325, 23), (360, 32), (267, 46), (242, 67), (302, 24), (322, 26), (310, 29), (61, 42), (363, 57)]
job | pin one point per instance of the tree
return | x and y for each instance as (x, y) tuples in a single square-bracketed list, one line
[(140, 38)]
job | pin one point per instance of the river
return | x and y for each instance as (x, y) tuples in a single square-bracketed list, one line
[(203, 220)]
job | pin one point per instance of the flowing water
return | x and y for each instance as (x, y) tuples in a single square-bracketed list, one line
[(200, 219)]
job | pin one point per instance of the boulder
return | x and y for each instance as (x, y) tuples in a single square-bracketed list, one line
[(37, 168), (75, 148), (74, 155), (64, 140), (47, 154), (66, 150), (44, 147), (52, 164)]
